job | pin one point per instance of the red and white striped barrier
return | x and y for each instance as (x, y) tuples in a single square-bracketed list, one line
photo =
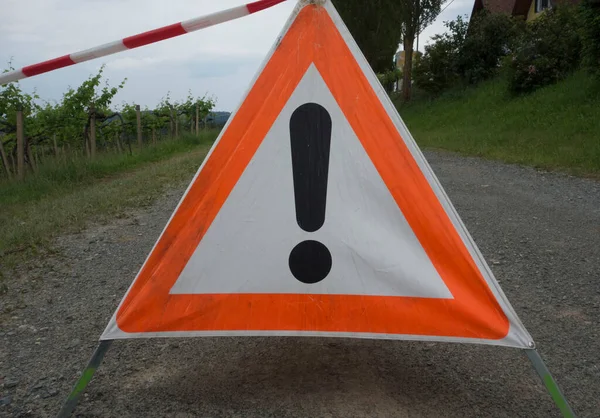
[(136, 41)]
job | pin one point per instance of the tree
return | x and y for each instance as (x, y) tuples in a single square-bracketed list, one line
[(590, 35), (415, 15), (374, 26)]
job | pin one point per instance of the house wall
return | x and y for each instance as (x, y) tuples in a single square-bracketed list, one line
[(531, 14)]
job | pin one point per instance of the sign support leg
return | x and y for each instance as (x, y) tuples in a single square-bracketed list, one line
[(550, 383), (84, 380)]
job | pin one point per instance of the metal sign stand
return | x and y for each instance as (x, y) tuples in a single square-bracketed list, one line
[(550, 383), (87, 375), (84, 380)]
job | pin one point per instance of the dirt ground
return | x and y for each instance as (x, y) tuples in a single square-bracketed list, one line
[(540, 233)]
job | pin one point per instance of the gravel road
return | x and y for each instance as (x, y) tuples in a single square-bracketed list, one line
[(539, 231)]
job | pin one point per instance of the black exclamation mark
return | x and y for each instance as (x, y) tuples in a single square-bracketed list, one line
[(310, 133)]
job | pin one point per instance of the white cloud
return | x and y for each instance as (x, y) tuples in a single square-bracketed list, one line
[(219, 60), (130, 63), (451, 9)]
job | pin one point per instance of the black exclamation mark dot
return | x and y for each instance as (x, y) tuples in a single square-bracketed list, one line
[(310, 133)]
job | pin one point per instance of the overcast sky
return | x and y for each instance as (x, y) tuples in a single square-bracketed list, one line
[(220, 60)]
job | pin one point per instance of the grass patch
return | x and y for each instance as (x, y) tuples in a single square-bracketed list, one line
[(557, 127), (60, 176), (61, 200)]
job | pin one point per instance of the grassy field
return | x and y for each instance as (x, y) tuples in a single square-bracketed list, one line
[(65, 197), (557, 127)]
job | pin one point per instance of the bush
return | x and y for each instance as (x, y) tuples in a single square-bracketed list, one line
[(390, 78), (490, 38), (590, 35), (437, 69), (468, 53), (547, 51)]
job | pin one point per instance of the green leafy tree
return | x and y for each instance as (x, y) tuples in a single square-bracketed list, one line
[(375, 25), (490, 38), (468, 52), (414, 16), (590, 35), (438, 69)]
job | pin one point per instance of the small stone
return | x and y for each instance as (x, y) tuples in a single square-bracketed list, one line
[(49, 393), (10, 383), (75, 343)]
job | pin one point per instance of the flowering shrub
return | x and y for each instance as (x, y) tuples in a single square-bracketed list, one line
[(547, 51)]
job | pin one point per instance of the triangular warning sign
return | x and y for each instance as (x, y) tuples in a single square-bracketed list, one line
[(315, 213)]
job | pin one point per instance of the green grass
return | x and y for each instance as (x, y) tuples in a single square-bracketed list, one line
[(59, 176), (557, 127), (64, 198)]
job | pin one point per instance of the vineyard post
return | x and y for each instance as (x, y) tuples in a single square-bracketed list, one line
[(176, 125), (93, 131), (139, 125), (197, 119), (192, 125), (117, 140), (30, 157), (5, 160), (171, 122), (55, 146), (87, 151), (20, 145)]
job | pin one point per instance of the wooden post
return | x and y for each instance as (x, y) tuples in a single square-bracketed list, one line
[(171, 123), (87, 147), (55, 145), (5, 161), (30, 157), (192, 125), (197, 119), (93, 131), (119, 143), (139, 125), (20, 145)]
